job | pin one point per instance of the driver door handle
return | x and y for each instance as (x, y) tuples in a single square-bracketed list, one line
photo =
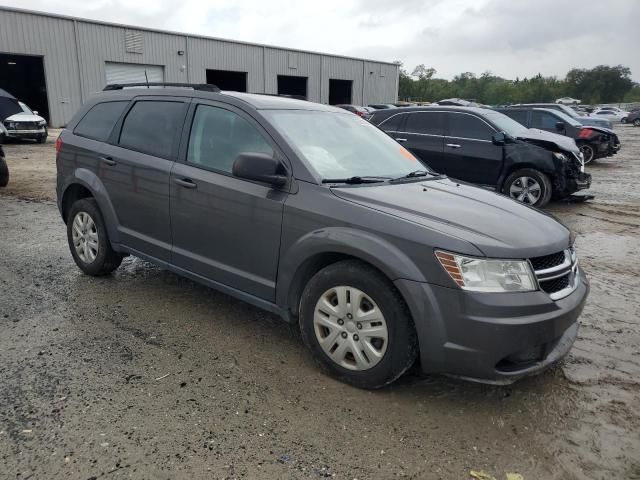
[(185, 182), (401, 140), (108, 161), (453, 145)]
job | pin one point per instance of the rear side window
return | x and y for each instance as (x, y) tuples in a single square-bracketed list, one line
[(519, 116), (462, 125), (543, 120), (430, 123), (151, 126), (392, 124), (99, 121), (218, 136)]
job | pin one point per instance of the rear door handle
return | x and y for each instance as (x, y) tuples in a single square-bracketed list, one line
[(108, 161), (185, 182), (401, 140), (453, 145)]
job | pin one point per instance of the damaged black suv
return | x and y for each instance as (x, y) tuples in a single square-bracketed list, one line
[(488, 148)]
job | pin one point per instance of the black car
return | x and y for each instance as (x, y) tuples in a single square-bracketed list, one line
[(484, 147), (594, 142)]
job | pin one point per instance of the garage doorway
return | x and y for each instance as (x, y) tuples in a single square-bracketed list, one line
[(23, 77), (228, 80), (340, 91), (295, 87)]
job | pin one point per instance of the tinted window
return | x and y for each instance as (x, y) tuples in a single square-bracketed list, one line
[(543, 120), (150, 127), (99, 121), (519, 116), (468, 126), (425, 122), (218, 136), (392, 124)]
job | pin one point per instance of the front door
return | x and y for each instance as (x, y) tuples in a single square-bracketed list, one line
[(224, 228), (424, 136)]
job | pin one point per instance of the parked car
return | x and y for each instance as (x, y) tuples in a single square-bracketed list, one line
[(589, 120), (484, 147), (610, 114), (633, 118), (4, 169), (458, 102), (360, 111), (313, 213), (381, 106), (594, 142), (26, 125), (568, 101)]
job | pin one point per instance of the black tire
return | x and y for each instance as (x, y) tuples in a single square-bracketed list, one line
[(401, 346), (43, 138), (588, 153), (4, 172), (636, 122), (623, 120), (542, 179), (106, 259)]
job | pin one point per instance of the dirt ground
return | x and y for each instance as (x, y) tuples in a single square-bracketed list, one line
[(146, 375)]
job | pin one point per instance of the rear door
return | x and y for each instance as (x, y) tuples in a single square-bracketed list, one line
[(423, 134), (136, 166), (469, 151)]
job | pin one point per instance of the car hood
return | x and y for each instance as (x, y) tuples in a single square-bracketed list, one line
[(24, 117), (560, 141), (494, 224), (595, 128), (594, 121)]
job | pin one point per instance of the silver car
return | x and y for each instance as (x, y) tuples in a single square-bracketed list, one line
[(26, 124)]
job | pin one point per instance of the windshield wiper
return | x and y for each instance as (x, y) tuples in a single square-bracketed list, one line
[(417, 173), (355, 180)]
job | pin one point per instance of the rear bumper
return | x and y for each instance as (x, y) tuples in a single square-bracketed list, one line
[(492, 338)]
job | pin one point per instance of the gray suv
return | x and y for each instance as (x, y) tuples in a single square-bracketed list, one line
[(314, 214)]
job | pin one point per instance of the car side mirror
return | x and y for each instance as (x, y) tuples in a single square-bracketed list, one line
[(499, 138), (560, 126), (259, 167), (35, 112)]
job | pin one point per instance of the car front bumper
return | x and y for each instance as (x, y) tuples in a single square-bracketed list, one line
[(492, 337), (31, 133)]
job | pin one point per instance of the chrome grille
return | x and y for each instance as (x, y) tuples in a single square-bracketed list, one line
[(557, 273)]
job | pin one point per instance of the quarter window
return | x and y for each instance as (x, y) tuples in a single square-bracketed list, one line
[(468, 126), (151, 126), (100, 120), (218, 136), (430, 123), (392, 124)]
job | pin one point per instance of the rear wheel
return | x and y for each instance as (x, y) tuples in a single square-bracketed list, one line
[(89, 241), (636, 122), (588, 153), (529, 186), (357, 325)]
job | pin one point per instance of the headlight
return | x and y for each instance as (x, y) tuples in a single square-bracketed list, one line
[(488, 275), (559, 156), (42, 123)]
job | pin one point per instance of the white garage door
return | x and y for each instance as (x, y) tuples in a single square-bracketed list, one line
[(133, 72)]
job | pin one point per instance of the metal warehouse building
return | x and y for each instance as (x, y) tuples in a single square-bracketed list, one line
[(53, 63)]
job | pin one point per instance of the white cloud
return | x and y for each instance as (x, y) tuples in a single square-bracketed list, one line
[(508, 38)]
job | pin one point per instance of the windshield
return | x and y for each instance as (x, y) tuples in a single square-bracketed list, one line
[(506, 124), (567, 119), (25, 109), (338, 145)]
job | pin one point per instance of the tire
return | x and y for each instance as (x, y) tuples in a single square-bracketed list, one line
[(623, 120), (379, 362), (43, 138), (4, 172), (588, 153), (98, 261), (515, 186), (636, 122)]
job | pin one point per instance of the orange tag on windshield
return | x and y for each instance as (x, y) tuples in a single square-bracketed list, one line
[(407, 154)]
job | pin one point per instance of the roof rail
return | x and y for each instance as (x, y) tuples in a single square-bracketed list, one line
[(207, 87)]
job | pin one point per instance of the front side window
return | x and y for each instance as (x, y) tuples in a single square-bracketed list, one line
[(543, 120), (340, 145), (462, 125), (151, 126), (430, 123), (100, 120), (218, 136)]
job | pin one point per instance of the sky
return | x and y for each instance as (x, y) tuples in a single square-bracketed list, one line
[(510, 38)]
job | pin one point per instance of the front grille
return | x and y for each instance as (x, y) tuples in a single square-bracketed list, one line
[(548, 261), (22, 125), (555, 285)]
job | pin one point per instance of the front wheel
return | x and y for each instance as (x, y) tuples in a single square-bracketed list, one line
[(88, 239), (43, 137), (529, 186), (588, 153), (357, 325), (636, 122)]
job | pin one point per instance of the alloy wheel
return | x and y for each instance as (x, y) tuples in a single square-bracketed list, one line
[(85, 237), (526, 190), (350, 328), (587, 152)]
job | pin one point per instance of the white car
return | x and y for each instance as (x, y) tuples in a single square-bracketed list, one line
[(568, 101), (26, 124), (613, 114)]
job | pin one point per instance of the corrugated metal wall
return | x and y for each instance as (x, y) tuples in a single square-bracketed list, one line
[(75, 52)]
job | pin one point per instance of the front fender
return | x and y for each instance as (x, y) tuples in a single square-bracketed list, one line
[(363, 245), (91, 182)]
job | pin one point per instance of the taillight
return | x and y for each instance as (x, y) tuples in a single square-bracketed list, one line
[(58, 144), (585, 133)]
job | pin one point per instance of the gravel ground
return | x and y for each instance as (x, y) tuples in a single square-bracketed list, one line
[(146, 375)]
